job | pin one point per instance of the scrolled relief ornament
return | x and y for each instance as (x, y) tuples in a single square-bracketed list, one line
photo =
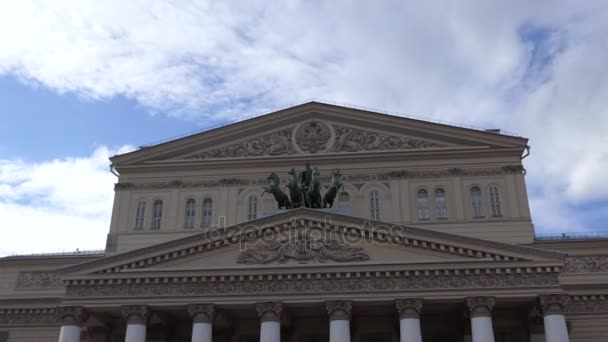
[(202, 313), (313, 136), (269, 311), (553, 304), (588, 264), (339, 309), (71, 315), (275, 143), (136, 314), (350, 139)]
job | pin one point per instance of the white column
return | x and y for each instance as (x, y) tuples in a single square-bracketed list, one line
[(202, 321), (480, 309), (270, 319), (137, 320), (339, 320), (553, 306), (409, 319), (71, 319)]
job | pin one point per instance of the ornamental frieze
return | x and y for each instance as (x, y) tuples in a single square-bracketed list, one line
[(314, 285), (311, 137), (303, 249), (403, 174), (271, 144), (15, 317), (587, 305), (350, 139), (38, 280), (589, 264)]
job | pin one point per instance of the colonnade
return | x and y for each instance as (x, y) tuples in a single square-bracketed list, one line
[(339, 314)]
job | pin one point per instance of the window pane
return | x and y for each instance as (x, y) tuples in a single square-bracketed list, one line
[(190, 213), (495, 201), (441, 204), (157, 214), (476, 201), (207, 212), (422, 202), (252, 208), (140, 214), (374, 205)]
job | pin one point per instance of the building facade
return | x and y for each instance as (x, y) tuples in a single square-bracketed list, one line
[(429, 238)]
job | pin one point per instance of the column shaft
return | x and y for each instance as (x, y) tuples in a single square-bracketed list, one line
[(339, 330), (481, 329), (136, 333), (410, 330), (556, 329), (202, 332), (202, 321), (270, 331), (409, 319), (553, 308), (480, 309), (69, 333), (270, 317)]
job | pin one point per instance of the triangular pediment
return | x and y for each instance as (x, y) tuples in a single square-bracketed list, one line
[(315, 238), (318, 129)]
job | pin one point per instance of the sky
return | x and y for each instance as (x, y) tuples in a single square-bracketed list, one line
[(83, 80)]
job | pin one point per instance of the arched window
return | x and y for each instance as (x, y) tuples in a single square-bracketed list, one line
[(190, 213), (422, 204), (495, 201), (374, 205), (344, 200), (140, 214), (157, 214), (476, 201), (441, 206), (252, 207), (207, 212)]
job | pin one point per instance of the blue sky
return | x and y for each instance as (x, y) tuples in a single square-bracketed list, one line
[(81, 82)]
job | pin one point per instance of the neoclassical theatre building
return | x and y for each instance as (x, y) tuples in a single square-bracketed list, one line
[(317, 223)]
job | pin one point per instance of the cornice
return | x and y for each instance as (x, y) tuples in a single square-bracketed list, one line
[(29, 316), (587, 304), (308, 284), (384, 176)]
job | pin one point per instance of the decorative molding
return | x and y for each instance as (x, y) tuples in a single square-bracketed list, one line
[(587, 304), (269, 311), (339, 309), (313, 136), (31, 316), (553, 304), (349, 139), (385, 176), (72, 315), (202, 313), (481, 306), (302, 249), (409, 307), (270, 144), (38, 280), (136, 314), (340, 283), (587, 264)]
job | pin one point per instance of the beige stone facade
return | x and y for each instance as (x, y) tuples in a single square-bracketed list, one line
[(432, 228)]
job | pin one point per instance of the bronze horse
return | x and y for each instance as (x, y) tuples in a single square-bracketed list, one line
[(274, 189), (295, 190), (314, 191), (334, 186)]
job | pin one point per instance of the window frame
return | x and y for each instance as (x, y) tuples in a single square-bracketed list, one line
[(374, 204), (190, 213), (207, 212), (419, 208), (156, 222)]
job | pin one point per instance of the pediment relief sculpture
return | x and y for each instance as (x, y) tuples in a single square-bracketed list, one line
[(302, 248), (312, 137)]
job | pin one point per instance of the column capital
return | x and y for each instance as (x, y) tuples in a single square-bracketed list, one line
[(202, 313), (72, 315), (339, 309), (481, 306), (269, 311), (553, 304), (136, 314), (409, 307)]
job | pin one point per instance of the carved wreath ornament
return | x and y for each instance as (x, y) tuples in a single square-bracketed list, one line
[(302, 249)]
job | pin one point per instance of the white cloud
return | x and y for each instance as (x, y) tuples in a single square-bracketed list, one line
[(464, 62), (57, 205)]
